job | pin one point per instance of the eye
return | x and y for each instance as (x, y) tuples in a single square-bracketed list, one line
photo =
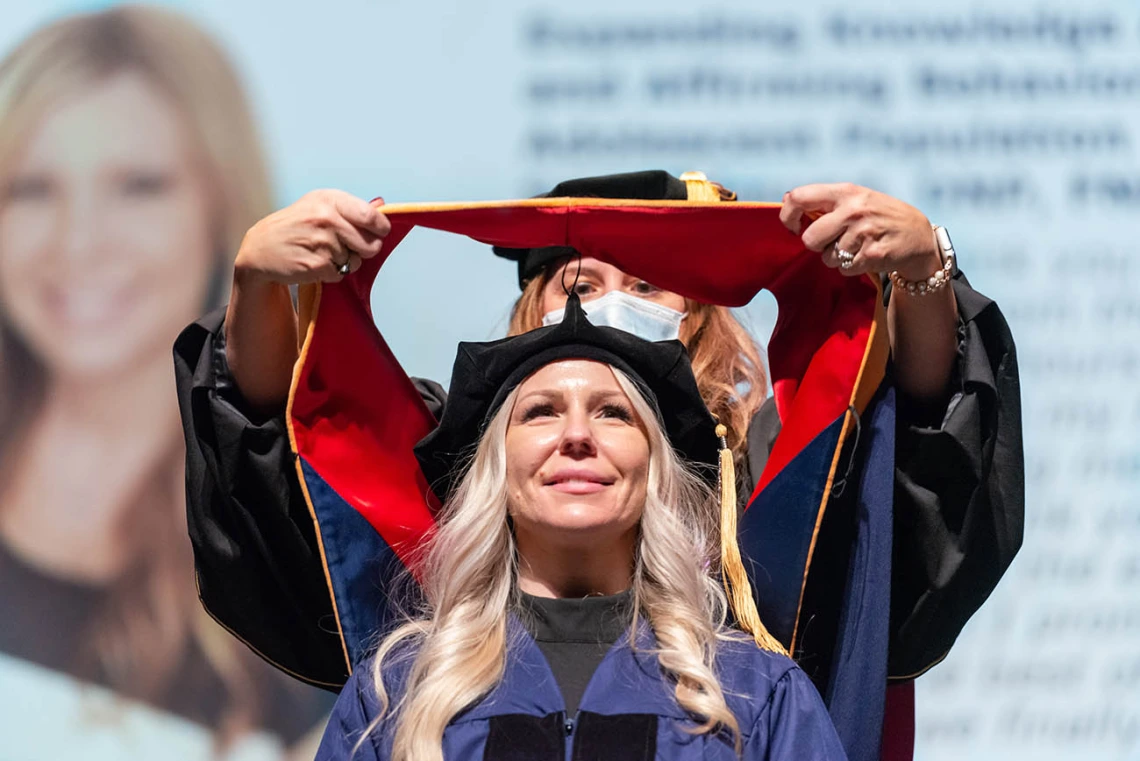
[(538, 410), (584, 289), (32, 187), (145, 184), (642, 288), (617, 411)]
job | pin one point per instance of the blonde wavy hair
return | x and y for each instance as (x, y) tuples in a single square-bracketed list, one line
[(725, 358), (459, 638), (151, 615)]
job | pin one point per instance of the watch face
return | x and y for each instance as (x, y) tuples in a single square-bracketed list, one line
[(943, 237), (946, 247)]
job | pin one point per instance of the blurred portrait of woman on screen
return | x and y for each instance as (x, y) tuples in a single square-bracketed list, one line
[(130, 168)]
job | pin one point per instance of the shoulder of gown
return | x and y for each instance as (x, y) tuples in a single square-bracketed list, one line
[(258, 562), (959, 488)]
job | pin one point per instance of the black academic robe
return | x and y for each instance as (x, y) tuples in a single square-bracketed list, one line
[(957, 515)]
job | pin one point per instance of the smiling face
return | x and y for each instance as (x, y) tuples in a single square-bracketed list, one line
[(105, 242), (577, 457), (597, 279)]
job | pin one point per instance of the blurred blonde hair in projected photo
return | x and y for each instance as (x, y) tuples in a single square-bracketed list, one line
[(130, 169)]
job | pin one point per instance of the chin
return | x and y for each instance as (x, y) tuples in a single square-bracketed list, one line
[(117, 343), (587, 528), (93, 357), (587, 522)]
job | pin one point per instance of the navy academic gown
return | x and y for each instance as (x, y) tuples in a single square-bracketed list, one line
[(627, 713)]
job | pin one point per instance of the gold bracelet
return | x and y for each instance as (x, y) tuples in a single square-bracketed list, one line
[(939, 279)]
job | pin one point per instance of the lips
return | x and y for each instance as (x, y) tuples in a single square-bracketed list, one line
[(86, 308), (577, 481)]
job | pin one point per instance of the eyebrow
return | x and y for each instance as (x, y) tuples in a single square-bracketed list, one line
[(595, 397), (600, 396), (588, 270)]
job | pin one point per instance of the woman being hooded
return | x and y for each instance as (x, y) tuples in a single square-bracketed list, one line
[(958, 471), (571, 594)]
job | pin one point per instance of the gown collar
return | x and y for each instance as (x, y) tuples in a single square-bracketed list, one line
[(628, 680)]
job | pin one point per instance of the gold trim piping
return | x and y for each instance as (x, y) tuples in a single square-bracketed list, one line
[(309, 308), (263, 656), (552, 203), (858, 395), (917, 674)]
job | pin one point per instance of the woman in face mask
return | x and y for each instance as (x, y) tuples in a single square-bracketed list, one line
[(948, 343)]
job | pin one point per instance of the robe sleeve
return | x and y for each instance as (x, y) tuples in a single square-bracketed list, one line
[(959, 492), (959, 489), (258, 564), (793, 724), (350, 720)]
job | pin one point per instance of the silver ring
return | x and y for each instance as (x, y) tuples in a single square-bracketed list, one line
[(846, 258), (343, 268)]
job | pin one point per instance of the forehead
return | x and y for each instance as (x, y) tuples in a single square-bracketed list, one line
[(571, 376), (591, 267), (123, 117)]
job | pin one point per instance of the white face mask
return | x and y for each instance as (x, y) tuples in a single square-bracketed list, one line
[(617, 309)]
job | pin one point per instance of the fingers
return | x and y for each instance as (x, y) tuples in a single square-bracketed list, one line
[(821, 197), (821, 233), (354, 262), (361, 214), (363, 243), (879, 233), (790, 215), (362, 226), (332, 244), (850, 241), (844, 254), (336, 225), (324, 206), (339, 268)]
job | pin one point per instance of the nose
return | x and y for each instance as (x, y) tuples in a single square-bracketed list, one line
[(79, 228), (577, 436), (612, 282)]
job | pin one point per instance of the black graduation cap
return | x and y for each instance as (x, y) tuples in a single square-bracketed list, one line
[(485, 373), (652, 185)]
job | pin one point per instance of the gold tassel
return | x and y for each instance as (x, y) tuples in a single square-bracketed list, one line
[(700, 188), (732, 566)]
